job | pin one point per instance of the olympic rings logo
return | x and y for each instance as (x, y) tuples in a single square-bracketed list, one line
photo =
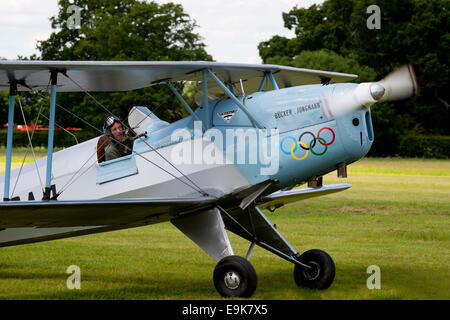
[(311, 146)]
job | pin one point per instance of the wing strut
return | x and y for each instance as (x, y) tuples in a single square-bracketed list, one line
[(12, 93), (206, 100), (232, 96), (51, 129), (272, 80), (269, 75), (180, 98), (263, 82)]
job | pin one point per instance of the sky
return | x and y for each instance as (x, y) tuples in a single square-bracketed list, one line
[(231, 29)]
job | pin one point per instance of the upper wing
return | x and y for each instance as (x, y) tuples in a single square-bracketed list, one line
[(280, 198), (130, 75)]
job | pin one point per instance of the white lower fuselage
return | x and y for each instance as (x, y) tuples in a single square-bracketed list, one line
[(75, 173)]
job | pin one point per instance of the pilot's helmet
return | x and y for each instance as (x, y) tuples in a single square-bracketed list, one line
[(109, 123)]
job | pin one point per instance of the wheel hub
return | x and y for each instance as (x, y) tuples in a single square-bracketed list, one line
[(232, 280), (312, 273)]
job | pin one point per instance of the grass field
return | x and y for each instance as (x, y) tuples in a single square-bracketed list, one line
[(395, 216)]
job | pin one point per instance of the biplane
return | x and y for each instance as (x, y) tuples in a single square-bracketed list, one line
[(258, 132)]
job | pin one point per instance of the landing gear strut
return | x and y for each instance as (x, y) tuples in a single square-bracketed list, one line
[(234, 276)]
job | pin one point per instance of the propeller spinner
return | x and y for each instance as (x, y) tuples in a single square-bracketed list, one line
[(399, 84)]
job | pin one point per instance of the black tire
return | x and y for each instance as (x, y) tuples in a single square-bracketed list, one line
[(319, 277), (234, 276)]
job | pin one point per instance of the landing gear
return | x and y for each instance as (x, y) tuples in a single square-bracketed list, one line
[(320, 275), (234, 276)]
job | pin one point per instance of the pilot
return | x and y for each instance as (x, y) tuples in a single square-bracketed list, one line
[(120, 143)]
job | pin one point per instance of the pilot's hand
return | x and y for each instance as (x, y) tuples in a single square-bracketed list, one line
[(130, 132), (143, 134)]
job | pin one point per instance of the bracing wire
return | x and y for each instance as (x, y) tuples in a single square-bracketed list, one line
[(196, 187), (91, 96), (72, 179), (63, 129), (170, 163), (69, 112), (30, 138)]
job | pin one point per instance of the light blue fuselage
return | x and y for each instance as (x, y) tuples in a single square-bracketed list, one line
[(292, 112)]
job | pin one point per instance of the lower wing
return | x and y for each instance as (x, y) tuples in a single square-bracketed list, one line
[(26, 222)]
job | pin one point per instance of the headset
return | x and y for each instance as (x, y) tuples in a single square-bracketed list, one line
[(109, 123)]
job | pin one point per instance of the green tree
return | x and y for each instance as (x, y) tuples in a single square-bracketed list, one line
[(122, 30), (412, 31), (325, 59), (3, 105), (29, 101)]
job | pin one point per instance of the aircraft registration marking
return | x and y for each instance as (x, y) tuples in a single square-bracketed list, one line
[(297, 110)]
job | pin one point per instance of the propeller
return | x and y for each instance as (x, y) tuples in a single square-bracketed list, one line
[(399, 84)]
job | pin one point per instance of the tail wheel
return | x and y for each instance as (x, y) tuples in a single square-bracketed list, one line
[(234, 276), (320, 275)]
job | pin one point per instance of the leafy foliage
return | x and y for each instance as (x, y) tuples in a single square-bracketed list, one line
[(123, 30), (412, 31), (116, 30), (325, 59)]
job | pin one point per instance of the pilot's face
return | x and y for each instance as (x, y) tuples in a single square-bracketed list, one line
[(117, 131)]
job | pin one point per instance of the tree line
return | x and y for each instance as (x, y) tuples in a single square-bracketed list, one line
[(332, 36), (114, 30), (335, 36)]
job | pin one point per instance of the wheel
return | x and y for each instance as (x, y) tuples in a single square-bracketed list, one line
[(320, 276), (234, 276)]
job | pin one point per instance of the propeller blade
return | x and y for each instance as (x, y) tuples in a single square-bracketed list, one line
[(400, 84)]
